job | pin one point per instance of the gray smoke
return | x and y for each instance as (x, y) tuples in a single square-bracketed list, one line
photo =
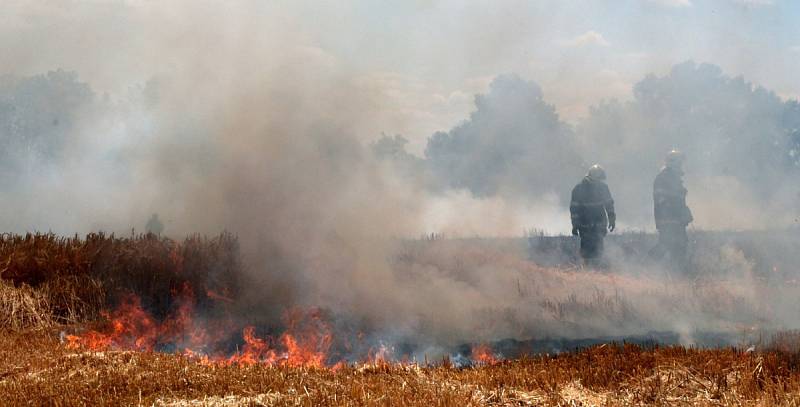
[(741, 141), (512, 144)]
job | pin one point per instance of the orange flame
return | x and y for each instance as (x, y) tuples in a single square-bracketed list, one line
[(255, 350), (482, 354), (308, 338), (131, 328), (305, 343)]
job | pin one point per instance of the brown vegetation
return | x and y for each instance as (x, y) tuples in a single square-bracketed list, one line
[(36, 369), (50, 284), (46, 279)]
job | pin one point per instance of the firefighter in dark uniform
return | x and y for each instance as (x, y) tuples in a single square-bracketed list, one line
[(671, 213), (592, 212), (154, 225)]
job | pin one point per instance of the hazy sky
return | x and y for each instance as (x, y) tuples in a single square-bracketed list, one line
[(420, 62)]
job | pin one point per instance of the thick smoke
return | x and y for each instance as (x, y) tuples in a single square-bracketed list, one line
[(512, 144), (740, 139), (246, 130)]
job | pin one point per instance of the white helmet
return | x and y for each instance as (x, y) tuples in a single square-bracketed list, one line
[(596, 172)]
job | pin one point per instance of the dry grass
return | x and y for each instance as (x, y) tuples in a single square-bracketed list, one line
[(62, 300), (47, 282), (46, 279), (24, 307), (35, 369)]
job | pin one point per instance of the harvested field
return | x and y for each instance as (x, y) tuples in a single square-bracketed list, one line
[(151, 321), (36, 369)]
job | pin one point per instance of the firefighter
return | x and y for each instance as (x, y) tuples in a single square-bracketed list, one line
[(592, 212), (672, 215), (154, 225)]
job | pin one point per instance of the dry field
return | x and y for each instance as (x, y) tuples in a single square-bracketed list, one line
[(51, 286), (36, 369)]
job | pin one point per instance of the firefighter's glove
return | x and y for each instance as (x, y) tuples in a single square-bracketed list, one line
[(611, 226), (574, 231)]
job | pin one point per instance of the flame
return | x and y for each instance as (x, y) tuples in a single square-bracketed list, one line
[(130, 328), (255, 350), (305, 343), (482, 355), (308, 338), (381, 356)]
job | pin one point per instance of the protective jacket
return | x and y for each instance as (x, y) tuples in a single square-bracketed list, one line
[(592, 207), (154, 226), (669, 200)]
